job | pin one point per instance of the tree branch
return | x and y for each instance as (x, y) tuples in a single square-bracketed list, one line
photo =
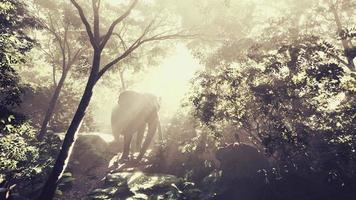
[(86, 23), (137, 44), (167, 37), (123, 43), (96, 5), (126, 52), (134, 46), (117, 21)]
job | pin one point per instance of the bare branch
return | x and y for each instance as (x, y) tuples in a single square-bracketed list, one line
[(123, 43), (117, 21), (86, 23), (96, 5), (127, 52), (137, 44), (168, 37), (116, 60)]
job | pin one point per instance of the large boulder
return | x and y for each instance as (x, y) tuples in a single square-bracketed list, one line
[(243, 172), (241, 161), (90, 152), (87, 165)]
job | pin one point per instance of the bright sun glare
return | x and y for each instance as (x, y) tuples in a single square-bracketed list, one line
[(170, 81)]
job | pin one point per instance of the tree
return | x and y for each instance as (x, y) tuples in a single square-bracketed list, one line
[(98, 42), (69, 46)]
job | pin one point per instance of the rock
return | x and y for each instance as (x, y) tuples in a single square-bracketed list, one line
[(90, 152), (241, 161), (243, 176), (88, 165)]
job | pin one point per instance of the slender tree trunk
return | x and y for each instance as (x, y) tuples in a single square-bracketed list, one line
[(54, 76), (52, 106), (70, 137), (121, 72), (62, 159)]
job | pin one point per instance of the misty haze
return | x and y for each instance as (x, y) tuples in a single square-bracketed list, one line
[(177, 99)]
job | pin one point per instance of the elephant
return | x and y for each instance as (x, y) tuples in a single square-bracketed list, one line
[(133, 113)]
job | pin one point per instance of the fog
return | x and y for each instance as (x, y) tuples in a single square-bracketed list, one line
[(170, 80), (177, 99)]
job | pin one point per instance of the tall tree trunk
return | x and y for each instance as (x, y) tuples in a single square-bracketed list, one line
[(68, 143), (49, 189), (52, 105)]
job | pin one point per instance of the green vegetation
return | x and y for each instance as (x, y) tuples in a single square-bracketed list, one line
[(270, 112)]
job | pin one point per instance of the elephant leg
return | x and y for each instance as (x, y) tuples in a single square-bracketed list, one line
[(152, 128), (160, 136), (139, 137), (126, 145)]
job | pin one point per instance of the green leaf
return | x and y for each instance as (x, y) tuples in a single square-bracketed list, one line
[(58, 192), (66, 174), (67, 179)]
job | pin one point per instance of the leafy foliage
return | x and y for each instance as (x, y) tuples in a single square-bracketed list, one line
[(14, 43), (24, 162), (20, 162), (296, 101)]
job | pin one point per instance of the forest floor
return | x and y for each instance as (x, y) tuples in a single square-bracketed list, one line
[(90, 162), (98, 175), (83, 184)]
